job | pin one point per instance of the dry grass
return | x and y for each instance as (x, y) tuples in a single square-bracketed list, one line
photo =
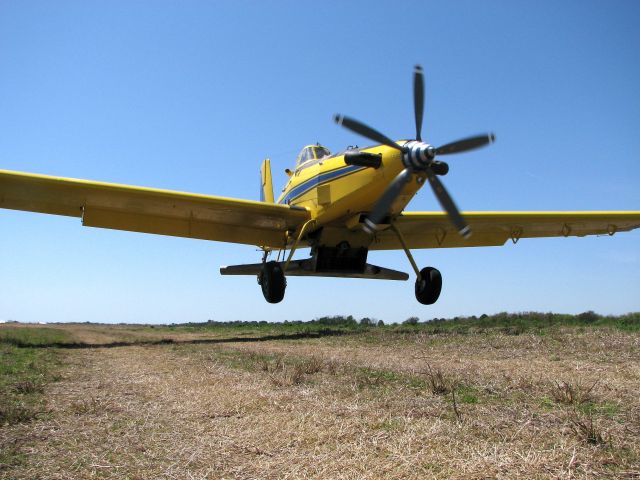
[(567, 393), (443, 406), (439, 383), (585, 428)]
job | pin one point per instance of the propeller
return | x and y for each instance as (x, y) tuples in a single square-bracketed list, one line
[(466, 144), (417, 156), (366, 131), (418, 100)]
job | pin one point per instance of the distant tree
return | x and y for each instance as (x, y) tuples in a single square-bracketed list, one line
[(337, 320), (411, 321), (380, 323), (588, 317), (366, 322)]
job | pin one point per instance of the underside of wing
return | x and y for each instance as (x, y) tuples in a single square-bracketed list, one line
[(434, 230), (149, 210)]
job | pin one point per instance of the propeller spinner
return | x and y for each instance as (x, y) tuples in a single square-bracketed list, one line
[(417, 156)]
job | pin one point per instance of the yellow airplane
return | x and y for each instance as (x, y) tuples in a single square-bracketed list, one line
[(341, 205)]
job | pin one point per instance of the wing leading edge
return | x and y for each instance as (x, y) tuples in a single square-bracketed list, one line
[(434, 230), (150, 210)]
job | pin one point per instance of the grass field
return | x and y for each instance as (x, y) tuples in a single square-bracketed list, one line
[(529, 396)]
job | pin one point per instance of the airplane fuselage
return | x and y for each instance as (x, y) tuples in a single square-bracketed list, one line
[(337, 194)]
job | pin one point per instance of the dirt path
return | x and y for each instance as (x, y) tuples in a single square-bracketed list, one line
[(142, 412), (207, 411)]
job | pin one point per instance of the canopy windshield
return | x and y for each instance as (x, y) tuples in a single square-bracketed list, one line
[(311, 152)]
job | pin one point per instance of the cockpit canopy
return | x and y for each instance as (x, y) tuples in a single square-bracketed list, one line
[(312, 152)]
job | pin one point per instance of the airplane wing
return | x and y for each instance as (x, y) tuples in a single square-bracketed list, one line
[(150, 210), (434, 230)]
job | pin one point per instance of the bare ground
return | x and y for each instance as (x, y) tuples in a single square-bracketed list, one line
[(563, 405)]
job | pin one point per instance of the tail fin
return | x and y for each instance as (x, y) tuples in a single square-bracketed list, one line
[(266, 183)]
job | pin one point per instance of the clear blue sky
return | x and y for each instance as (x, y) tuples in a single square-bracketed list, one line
[(193, 95)]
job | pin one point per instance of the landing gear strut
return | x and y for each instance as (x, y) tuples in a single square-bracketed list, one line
[(428, 280), (271, 277), (272, 281), (428, 285)]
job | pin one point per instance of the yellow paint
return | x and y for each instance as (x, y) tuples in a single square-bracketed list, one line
[(266, 182)]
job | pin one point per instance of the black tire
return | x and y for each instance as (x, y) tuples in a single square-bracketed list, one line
[(272, 282), (429, 286)]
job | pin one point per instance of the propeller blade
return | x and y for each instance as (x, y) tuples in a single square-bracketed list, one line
[(448, 205), (466, 144), (418, 99), (366, 131), (386, 200)]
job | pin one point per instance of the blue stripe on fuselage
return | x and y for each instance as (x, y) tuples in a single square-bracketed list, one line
[(319, 180)]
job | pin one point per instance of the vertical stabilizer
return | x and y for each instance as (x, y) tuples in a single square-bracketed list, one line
[(266, 184)]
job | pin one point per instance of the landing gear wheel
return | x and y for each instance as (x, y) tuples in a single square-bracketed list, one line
[(272, 281), (429, 286)]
